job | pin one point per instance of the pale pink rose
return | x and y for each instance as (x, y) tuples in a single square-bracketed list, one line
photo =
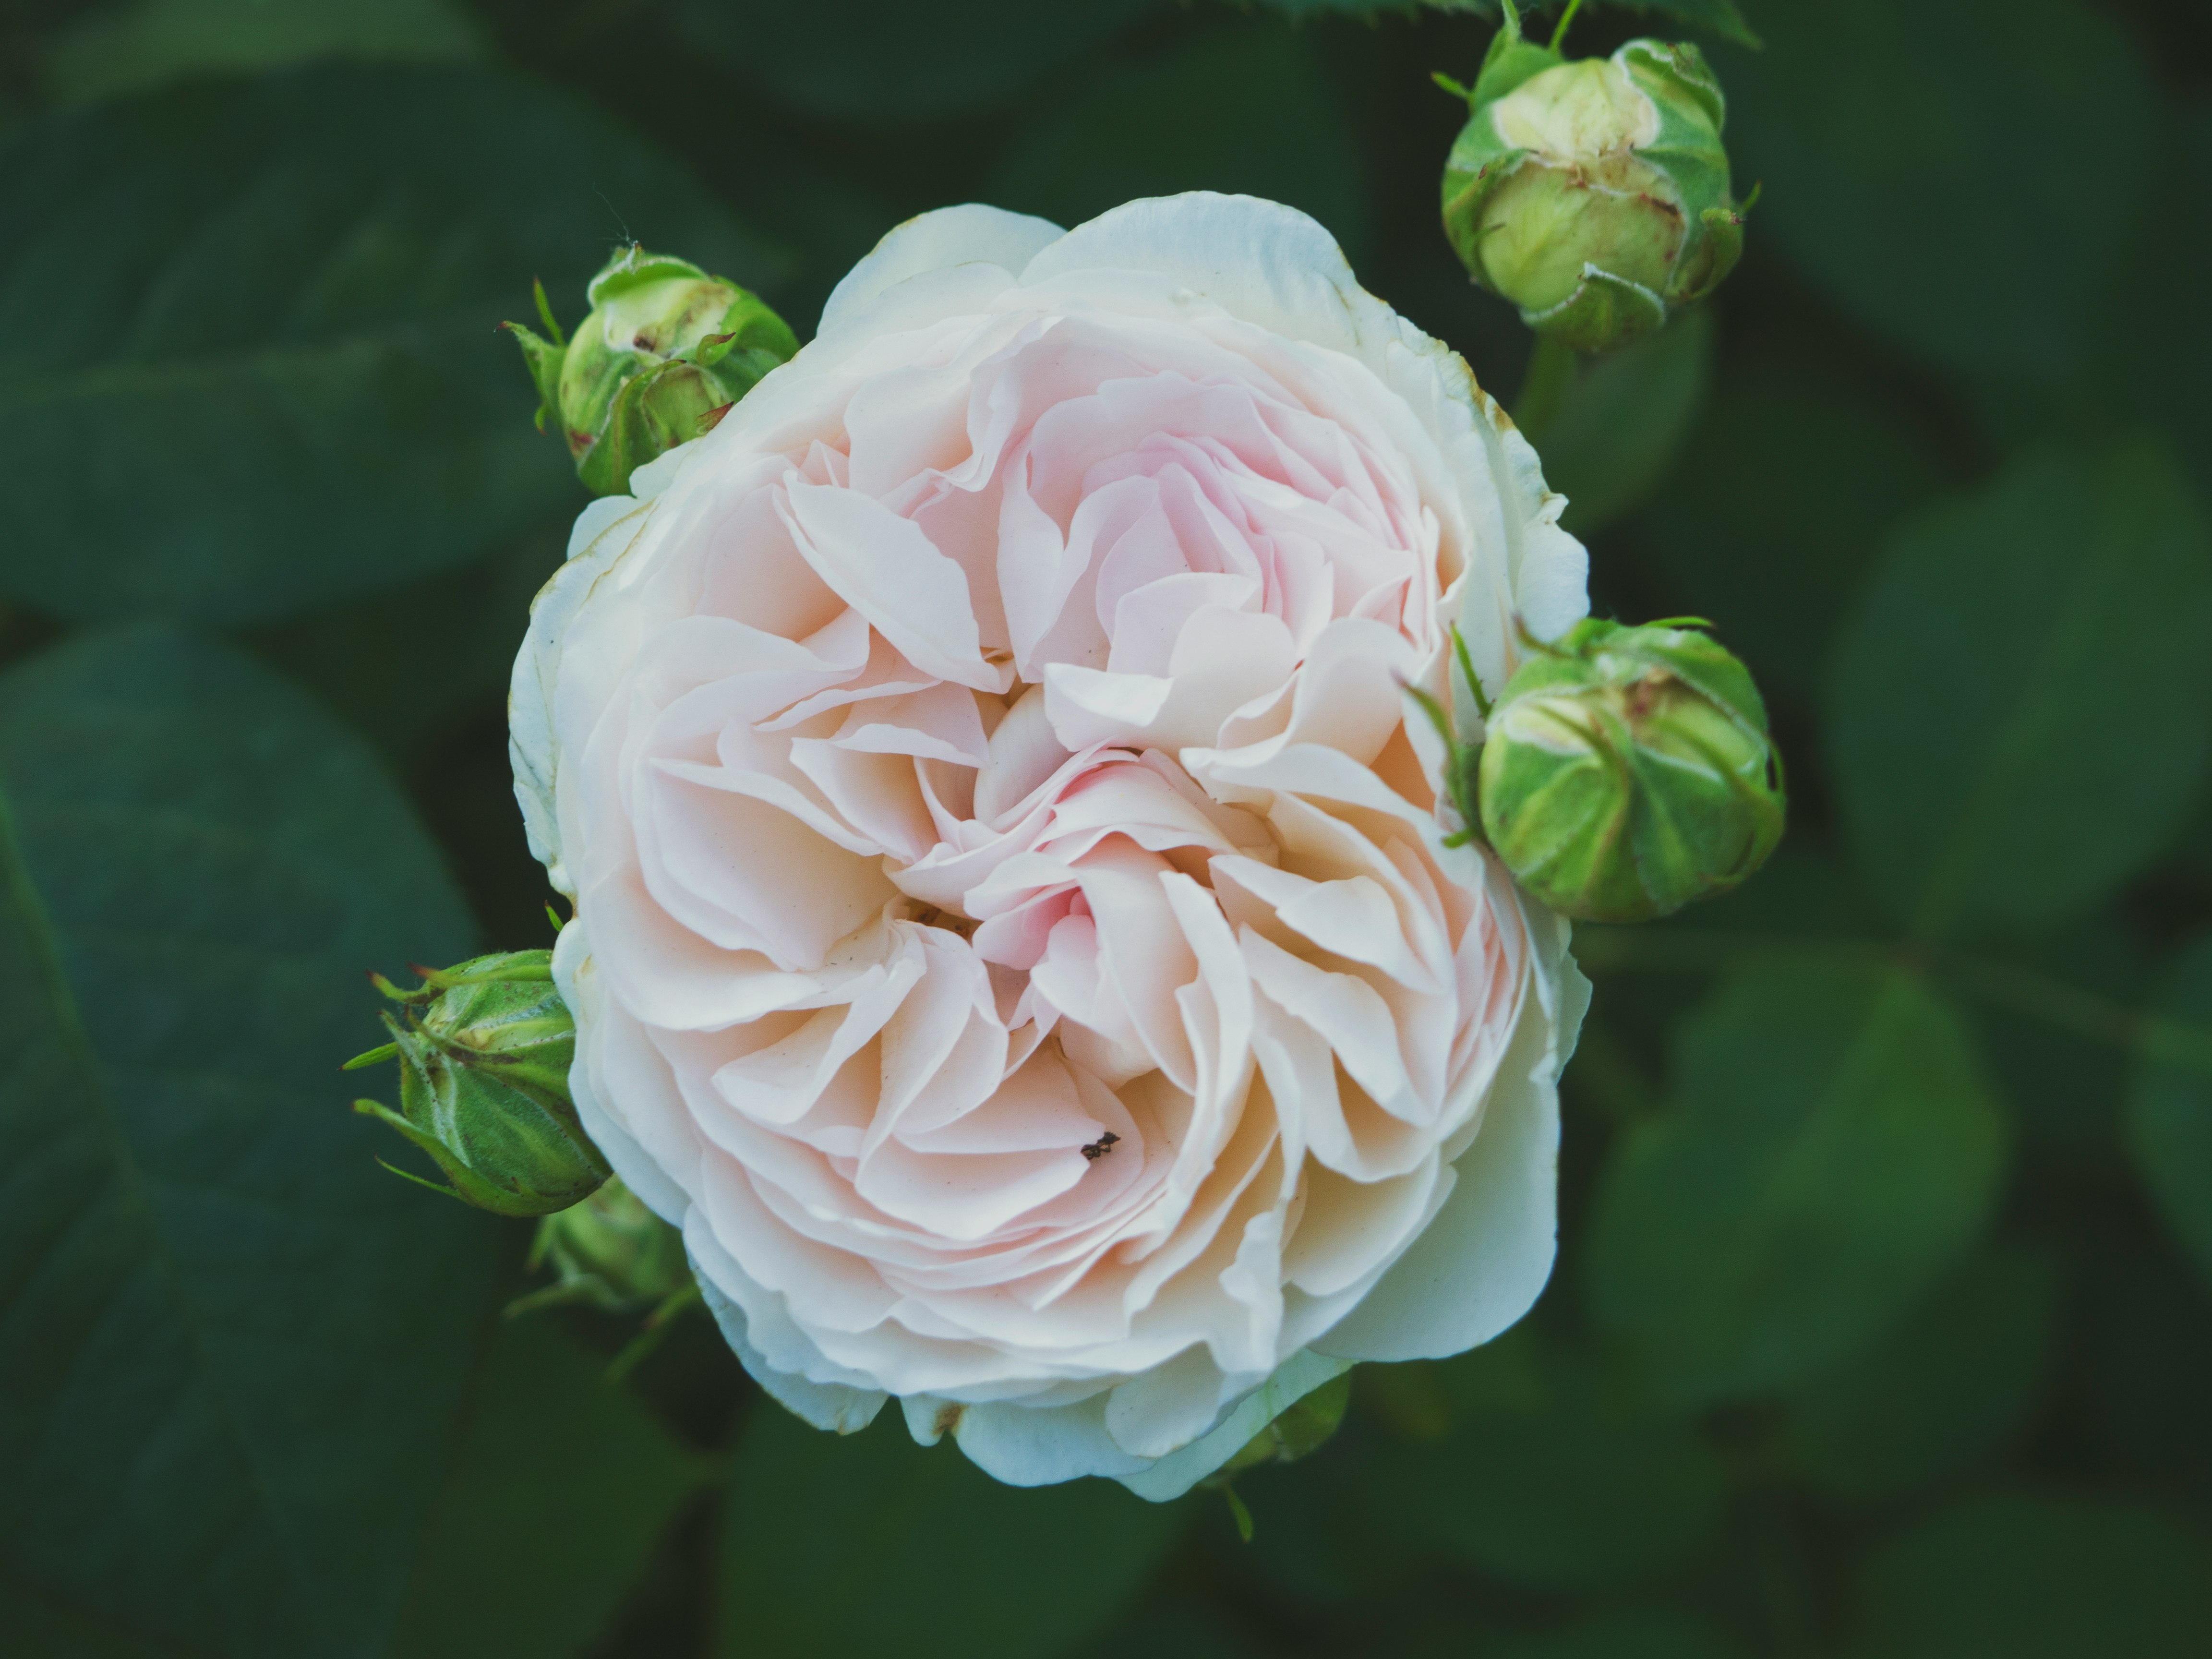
[(1015, 938)]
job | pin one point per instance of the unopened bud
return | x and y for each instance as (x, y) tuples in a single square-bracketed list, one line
[(609, 1252), (1627, 771), (1593, 194), (666, 349), (484, 1050)]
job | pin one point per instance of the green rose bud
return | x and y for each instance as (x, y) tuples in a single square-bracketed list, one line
[(1593, 194), (1627, 771), (666, 350), (1301, 1429), (484, 1050), (611, 1252)]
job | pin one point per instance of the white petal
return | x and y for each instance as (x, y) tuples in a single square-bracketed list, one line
[(1482, 1262), (1172, 1476), (968, 234)]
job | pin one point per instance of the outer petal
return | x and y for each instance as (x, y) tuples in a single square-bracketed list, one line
[(604, 532), (1172, 1476), (968, 234), (824, 1405), (1483, 1258), (1263, 262)]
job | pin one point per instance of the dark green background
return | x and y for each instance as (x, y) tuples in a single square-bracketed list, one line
[(1883, 1321)]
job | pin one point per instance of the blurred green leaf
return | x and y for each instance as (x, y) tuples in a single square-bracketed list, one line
[(1175, 1627), (2020, 709), (266, 375), (1249, 110), (562, 1489), (2146, 361), (888, 60), (1319, 1538), (402, 666), (149, 41), (1911, 172), (1640, 1634), (233, 1350), (2035, 1577), (2144, 1330), (1775, 510), (39, 1628), (2170, 1105), (2065, 1085), (1720, 17), (1940, 1392), (1834, 1148), (1615, 430), (1552, 1474), (872, 1544)]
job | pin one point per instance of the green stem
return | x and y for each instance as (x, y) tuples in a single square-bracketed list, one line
[(1544, 387), (1559, 34)]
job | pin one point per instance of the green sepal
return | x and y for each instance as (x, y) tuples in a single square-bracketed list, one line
[(1480, 162), (1512, 59), (630, 267), (652, 414), (1603, 312), (1669, 72), (1723, 247), (468, 1185), (749, 328), (543, 359)]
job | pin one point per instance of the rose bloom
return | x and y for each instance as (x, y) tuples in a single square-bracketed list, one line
[(1015, 938)]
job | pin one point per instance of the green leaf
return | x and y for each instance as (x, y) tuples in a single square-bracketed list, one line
[(1615, 434), (562, 1489), (2020, 709), (1941, 1392), (872, 1544), (1248, 108), (266, 375), (1734, 529), (232, 1349), (2170, 1105), (889, 60), (2036, 1577), (1911, 174), (144, 43), (1550, 1473), (1834, 1149)]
